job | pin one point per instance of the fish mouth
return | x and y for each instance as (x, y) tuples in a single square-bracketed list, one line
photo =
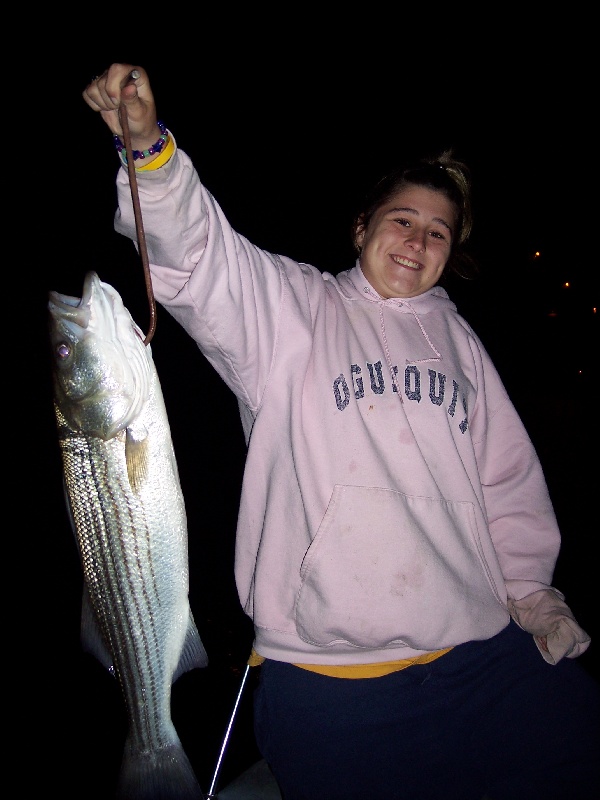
[(75, 312), (99, 307)]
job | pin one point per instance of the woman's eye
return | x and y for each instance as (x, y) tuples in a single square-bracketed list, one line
[(403, 221)]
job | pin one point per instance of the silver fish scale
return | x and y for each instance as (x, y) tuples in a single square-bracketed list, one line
[(124, 556)]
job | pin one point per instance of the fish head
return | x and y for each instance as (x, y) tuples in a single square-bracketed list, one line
[(102, 370)]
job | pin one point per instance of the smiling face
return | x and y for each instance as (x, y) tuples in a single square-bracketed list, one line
[(405, 247)]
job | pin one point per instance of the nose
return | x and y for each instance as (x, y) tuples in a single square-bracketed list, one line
[(417, 241)]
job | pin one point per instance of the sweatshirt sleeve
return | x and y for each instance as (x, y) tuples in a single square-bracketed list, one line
[(223, 290), (522, 523), (519, 510)]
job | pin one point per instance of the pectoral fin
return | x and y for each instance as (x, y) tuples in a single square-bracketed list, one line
[(136, 457)]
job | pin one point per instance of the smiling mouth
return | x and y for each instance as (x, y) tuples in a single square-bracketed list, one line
[(406, 262)]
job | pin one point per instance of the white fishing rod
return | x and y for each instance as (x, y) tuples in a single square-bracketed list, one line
[(211, 795)]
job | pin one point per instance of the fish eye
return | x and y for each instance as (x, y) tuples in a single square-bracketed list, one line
[(63, 350)]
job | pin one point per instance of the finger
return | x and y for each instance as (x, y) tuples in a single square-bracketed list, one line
[(106, 91), (129, 87)]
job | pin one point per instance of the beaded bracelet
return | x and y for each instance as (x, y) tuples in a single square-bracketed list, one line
[(156, 147)]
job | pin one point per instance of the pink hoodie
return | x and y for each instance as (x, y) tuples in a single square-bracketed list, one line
[(392, 501)]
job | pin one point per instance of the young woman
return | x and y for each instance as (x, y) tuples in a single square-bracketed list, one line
[(396, 539)]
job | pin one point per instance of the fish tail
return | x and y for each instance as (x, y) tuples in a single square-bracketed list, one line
[(163, 774)]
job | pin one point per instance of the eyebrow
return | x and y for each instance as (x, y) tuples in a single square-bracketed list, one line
[(416, 213)]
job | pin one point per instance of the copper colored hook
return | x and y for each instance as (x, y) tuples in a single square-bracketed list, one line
[(138, 220)]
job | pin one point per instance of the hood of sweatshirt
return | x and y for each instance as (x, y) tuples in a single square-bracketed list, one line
[(353, 283)]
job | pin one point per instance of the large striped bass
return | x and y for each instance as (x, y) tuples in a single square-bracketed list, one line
[(128, 514)]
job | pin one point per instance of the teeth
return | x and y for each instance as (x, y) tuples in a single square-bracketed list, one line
[(405, 262)]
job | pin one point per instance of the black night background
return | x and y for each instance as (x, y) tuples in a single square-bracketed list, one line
[(287, 142)]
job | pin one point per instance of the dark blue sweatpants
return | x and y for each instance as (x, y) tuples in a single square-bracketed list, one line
[(488, 719)]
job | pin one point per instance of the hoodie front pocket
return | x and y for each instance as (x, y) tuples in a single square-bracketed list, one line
[(388, 569)]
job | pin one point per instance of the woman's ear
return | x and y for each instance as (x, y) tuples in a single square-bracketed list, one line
[(359, 234)]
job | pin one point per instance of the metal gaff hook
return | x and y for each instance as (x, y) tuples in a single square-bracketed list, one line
[(138, 215)]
